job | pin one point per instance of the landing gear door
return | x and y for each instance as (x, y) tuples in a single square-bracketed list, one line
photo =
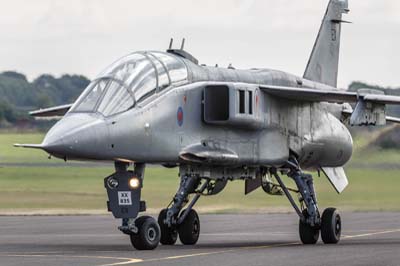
[(123, 198), (337, 177)]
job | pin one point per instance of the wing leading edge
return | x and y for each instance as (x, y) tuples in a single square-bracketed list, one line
[(310, 95), (334, 96)]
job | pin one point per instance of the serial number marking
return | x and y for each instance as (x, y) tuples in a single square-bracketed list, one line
[(124, 198)]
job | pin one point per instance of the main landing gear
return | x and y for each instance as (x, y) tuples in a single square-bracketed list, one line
[(311, 222), (174, 221), (124, 192)]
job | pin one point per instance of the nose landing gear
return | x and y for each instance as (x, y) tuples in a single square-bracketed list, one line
[(124, 191)]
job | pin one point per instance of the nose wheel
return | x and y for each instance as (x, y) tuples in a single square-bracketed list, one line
[(148, 235)]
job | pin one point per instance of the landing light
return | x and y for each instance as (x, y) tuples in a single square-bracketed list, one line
[(134, 182)]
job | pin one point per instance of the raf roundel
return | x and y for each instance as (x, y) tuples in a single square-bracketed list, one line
[(179, 116)]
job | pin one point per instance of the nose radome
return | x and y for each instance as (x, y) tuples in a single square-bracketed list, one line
[(77, 135)]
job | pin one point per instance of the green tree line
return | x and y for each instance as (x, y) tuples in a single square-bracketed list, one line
[(18, 95)]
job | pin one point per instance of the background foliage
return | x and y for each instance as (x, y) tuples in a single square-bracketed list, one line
[(18, 96)]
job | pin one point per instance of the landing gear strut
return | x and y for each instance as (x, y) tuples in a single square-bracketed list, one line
[(311, 222), (124, 191), (186, 223)]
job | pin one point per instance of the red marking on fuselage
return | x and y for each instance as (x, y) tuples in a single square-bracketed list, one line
[(180, 116)]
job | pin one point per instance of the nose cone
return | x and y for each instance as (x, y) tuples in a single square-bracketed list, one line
[(78, 136)]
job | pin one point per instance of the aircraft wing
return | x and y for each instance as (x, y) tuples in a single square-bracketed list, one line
[(311, 95), (334, 96), (52, 111), (370, 108)]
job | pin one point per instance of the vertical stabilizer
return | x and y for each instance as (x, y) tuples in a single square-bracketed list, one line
[(324, 60)]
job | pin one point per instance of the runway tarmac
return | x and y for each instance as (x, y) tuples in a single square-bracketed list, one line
[(256, 239)]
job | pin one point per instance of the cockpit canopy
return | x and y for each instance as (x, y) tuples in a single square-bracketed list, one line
[(130, 80)]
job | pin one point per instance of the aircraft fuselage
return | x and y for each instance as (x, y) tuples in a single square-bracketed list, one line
[(158, 128)]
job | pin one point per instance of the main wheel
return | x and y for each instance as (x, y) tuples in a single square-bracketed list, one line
[(308, 234), (189, 229), (168, 235), (148, 236), (331, 226)]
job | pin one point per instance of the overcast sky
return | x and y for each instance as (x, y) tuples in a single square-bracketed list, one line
[(84, 36)]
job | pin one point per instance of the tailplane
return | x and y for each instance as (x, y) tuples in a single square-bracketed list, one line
[(324, 60)]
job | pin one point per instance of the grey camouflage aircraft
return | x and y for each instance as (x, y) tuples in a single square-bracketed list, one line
[(217, 125)]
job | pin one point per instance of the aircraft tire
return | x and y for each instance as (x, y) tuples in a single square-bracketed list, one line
[(308, 234), (189, 229), (168, 235), (148, 235), (331, 226)]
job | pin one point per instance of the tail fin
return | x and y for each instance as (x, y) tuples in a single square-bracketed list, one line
[(324, 60)]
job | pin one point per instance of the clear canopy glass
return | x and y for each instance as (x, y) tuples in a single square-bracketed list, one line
[(130, 80)]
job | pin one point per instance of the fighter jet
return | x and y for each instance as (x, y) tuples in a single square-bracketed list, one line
[(217, 125)]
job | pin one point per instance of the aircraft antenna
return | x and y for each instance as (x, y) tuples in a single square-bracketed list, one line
[(171, 42), (182, 53), (183, 44)]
